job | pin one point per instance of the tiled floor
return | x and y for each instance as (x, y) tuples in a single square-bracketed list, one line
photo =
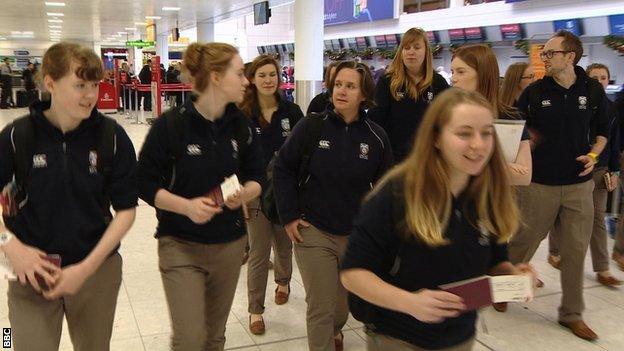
[(142, 321)]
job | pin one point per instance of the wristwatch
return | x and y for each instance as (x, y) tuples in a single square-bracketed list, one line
[(5, 237), (594, 156)]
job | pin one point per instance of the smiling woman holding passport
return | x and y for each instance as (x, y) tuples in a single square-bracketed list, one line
[(441, 216)]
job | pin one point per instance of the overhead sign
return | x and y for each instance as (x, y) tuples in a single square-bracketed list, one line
[(571, 25), (616, 24), (474, 34), (139, 43), (353, 11), (511, 31), (21, 53), (457, 35)]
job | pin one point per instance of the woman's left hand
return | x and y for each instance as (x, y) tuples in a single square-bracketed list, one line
[(527, 269)]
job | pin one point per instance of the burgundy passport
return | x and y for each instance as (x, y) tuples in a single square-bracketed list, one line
[(475, 292), (55, 260)]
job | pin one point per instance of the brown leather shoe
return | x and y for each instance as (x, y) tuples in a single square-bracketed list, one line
[(580, 329), (619, 259), (554, 261), (609, 281), (339, 342), (500, 306), (257, 327), (281, 297)]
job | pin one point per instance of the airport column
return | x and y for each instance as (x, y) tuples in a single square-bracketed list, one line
[(205, 32), (309, 32), (162, 49), (456, 3)]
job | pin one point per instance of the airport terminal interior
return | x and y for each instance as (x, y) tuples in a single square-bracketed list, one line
[(125, 33)]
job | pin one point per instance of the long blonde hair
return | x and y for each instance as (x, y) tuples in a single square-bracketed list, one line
[(425, 180), (398, 73)]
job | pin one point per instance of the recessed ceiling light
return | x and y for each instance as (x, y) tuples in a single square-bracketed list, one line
[(56, 27), (140, 24), (55, 21), (55, 32), (130, 28), (58, 4), (55, 14), (168, 8), (153, 17)]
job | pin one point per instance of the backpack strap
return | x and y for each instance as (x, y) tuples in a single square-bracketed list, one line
[(398, 218), (242, 134), (106, 145), (314, 128), (175, 133), (23, 140)]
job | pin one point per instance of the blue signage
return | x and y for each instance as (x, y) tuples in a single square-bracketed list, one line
[(616, 24), (354, 11), (571, 25)]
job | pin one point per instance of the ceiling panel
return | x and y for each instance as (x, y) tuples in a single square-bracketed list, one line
[(96, 20)]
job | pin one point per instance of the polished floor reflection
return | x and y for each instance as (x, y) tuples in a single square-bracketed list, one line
[(142, 322)]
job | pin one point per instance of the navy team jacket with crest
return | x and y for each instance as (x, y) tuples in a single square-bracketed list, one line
[(66, 211), (209, 153), (346, 163)]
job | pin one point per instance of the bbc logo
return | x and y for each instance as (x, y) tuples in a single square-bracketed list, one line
[(6, 338)]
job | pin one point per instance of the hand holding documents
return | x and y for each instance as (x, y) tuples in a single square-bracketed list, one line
[(485, 290), (228, 188), (509, 132)]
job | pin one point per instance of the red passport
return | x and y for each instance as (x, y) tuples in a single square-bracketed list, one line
[(475, 292)]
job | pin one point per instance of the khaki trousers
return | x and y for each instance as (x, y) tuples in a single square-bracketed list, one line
[(598, 241), (381, 342), (573, 205), (262, 236), (319, 257), (200, 282), (37, 323)]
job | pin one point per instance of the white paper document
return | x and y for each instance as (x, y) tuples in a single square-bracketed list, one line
[(511, 288), (230, 186), (6, 270), (509, 132)]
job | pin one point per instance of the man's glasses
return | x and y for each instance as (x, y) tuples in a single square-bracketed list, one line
[(550, 53)]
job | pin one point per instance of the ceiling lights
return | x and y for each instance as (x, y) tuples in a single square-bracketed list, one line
[(153, 17), (168, 8), (130, 28), (57, 4), (140, 23), (55, 21), (55, 14), (59, 27)]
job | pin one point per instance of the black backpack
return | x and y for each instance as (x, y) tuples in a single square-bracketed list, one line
[(361, 309), (24, 140), (314, 126)]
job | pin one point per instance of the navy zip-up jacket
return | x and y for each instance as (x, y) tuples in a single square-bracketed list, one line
[(563, 122), (209, 154), (400, 119), (67, 211), (347, 161), (376, 242), (273, 136)]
